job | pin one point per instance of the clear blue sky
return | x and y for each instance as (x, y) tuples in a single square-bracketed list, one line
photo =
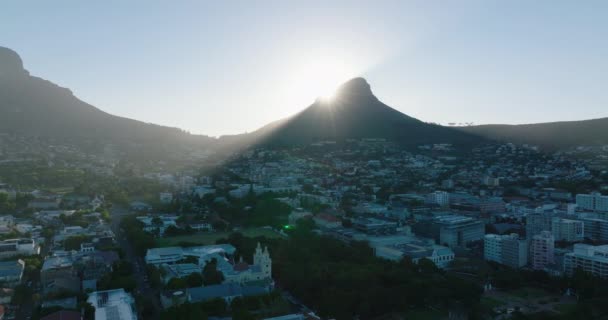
[(221, 67)]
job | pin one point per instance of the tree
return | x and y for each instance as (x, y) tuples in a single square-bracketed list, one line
[(211, 275), (194, 280), (176, 283)]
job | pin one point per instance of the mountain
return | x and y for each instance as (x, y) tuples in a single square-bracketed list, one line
[(354, 113), (553, 135), (34, 107)]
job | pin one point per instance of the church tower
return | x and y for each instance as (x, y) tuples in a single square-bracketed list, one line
[(262, 258)]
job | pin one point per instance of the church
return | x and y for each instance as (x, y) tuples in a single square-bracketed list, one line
[(242, 273)]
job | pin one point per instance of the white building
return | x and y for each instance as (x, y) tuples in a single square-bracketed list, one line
[(492, 247), (113, 305), (396, 248), (592, 259), (441, 198), (594, 201), (171, 255), (505, 249), (568, 230), (166, 221), (542, 250), (13, 247)]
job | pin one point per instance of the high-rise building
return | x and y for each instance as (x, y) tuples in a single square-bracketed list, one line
[(568, 230), (537, 223), (595, 228), (506, 249), (514, 252), (455, 231), (592, 259), (594, 201), (541, 250), (492, 247), (441, 198)]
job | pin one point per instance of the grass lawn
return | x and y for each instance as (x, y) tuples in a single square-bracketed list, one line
[(529, 293), (424, 315), (491, 303), (564, 307), (210, 237)]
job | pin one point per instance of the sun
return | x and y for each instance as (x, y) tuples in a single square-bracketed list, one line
[(318, 79)]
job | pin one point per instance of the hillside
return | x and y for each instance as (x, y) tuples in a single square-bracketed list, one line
[(550, 135), (35, 107)]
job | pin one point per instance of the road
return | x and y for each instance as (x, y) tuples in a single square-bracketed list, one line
[(139, 267)]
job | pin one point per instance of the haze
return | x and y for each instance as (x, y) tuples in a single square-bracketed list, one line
[(230, 67)]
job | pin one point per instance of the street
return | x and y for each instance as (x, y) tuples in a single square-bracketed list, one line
[(143, 288)]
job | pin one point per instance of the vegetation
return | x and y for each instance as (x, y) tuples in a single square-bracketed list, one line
[(120, 277), (140, 239), (211, 237)]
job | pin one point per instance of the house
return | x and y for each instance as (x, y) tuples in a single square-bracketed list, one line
[(65, 303), (58, 274), (113, 304), (327, 221), (11, 272), (5, 295), (44, 204), (13, 247), (140, 206), (151, 224)]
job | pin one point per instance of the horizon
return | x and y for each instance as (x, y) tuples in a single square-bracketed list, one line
[(494, 63)]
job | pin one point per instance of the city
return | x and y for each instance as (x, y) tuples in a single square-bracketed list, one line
[(303, 160)]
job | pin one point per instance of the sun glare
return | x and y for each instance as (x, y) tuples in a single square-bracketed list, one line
[(319, 79)]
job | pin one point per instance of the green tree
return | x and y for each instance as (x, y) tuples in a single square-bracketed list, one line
[(210, 273)]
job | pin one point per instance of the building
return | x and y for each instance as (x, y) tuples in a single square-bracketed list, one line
[(594, 201), (160, 223), (165, 197), (506, 249), (588, 258), (492, 247), (327, 221), (458, 231), (491, 181), (225, 291), (514, 252), (541, 250), (59, 275), (113, 305), (567, 230), (14, 247), (11, 272), (44, 204), (538, 222), (260, 272), (440, 198), (172, 255), (441, 256), (179, 270), (374, 226), (595, 229)]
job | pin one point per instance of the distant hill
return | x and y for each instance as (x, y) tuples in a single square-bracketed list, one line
[(30, 106), (354, 113), (555, 135)]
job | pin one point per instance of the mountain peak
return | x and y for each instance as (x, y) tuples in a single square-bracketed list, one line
[(10, 62), (358, 87)]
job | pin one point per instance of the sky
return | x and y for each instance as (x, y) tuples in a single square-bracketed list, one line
[(227, 67)]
